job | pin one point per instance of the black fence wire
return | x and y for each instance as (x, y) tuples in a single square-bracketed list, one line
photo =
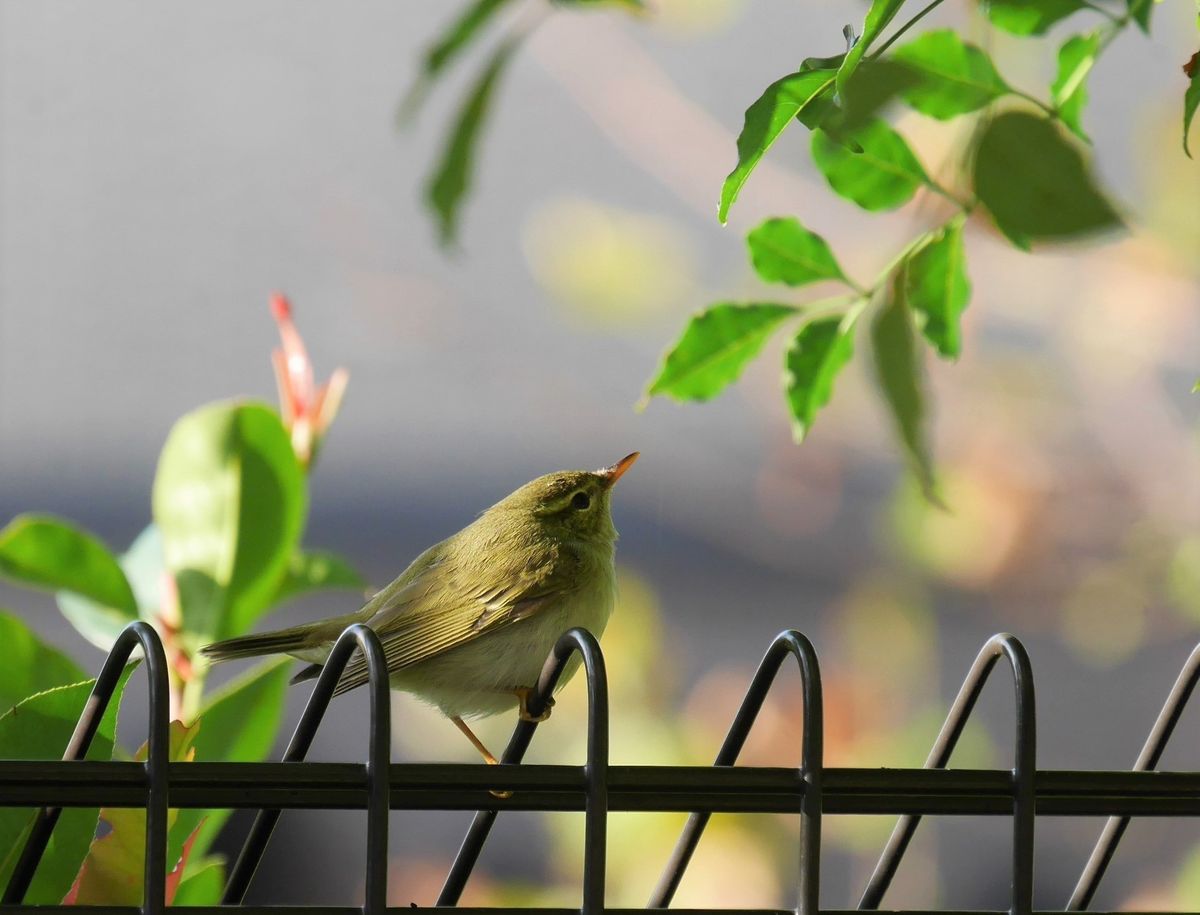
[(812, 790)]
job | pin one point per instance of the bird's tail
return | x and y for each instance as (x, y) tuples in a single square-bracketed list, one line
[(281, 641)]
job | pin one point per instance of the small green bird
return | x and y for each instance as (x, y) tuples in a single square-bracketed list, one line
[(468, 625)]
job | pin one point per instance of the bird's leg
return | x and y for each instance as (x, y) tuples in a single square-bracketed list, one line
[(475, 741), (524, 694), (483, 751)]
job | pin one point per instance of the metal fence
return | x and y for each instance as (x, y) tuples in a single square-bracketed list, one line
[(811, 791)]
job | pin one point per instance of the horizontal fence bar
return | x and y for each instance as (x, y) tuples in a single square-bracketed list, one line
[(467, 786), (477, 910)]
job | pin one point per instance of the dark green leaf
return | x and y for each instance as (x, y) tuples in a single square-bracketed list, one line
[(1069, 89), (144, 569), (1035, 182), (878, 16), (937, 289), (50, 553), (883, 176), (813, 360), (1191, 100), (715, 348), (238, 723), (765, 121), (898, 372), (783, 251), (30, 665), (39, 728), (448, 185), (1030, 17), (229, 500), (952, 77), (465, 28), (314, 571), (1141, 10)]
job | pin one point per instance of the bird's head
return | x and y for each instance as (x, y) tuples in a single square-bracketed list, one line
[(571, 504)]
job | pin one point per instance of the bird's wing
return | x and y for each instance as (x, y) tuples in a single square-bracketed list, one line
[(444, 605)]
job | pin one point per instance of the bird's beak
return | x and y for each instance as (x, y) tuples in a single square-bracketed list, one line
[(610, 475)]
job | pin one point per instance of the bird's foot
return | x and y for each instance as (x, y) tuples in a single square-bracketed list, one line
[(524, 694), (483, 751)]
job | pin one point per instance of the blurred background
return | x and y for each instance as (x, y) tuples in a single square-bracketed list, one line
[(164, 167)]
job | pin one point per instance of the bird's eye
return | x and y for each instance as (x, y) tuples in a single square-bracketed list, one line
[(581, 501)]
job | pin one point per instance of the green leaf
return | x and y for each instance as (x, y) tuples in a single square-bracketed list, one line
[(953, 77), (30, 665), (39, 728), (144, 568), (315, 571), (113, 873), (765, 120), (812, 362), (203, 883), (937, 289), (1069, 91), (898, 372), (47, 552), (448, 185), (1191, 99), (238, 723), (1023, 17), (783, 251), (883, 176), (1140, 10), (1035, 182), (878, 16), (230, 500), (715, 347), (465, 28)]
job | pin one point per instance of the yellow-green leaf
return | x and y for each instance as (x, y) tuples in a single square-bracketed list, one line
[(937, 289), (715, 347), (953, 77), (783, 251), (883, 176), (880, 13), (1069, 91)]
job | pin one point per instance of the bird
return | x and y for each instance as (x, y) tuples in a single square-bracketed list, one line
[(468, 625)]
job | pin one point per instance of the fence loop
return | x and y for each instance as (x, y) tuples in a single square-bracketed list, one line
[(1023, 773), (364, 639), (811, 769), (596, 771), (157, 756)]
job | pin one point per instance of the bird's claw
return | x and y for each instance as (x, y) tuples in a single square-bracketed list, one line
[(524, 694)]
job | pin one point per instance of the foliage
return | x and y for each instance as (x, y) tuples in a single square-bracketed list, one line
[(223, 549), (1023, 165)]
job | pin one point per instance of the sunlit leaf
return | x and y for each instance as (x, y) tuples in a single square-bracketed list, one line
[(238, 723), (47, 552), (952, 76), (230, 501), (765, 121), (1036, 183), (883, 176), (39, 728), (1069, 91), (899, 374), (30, 665), (878, 16), (144, 568), (715, 348), (783, 251), (466, 27), (1023, 17), (450, 181), (316, 570), (811, 364), (937, 289), (1191, 100), (202, 883), (113, 873)]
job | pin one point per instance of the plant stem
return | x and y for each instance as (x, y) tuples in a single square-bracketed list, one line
[(1103, 11), (928, 8)]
